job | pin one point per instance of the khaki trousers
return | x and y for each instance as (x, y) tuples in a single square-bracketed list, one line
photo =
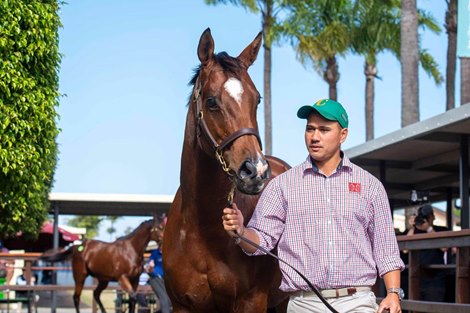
[(360, 302)]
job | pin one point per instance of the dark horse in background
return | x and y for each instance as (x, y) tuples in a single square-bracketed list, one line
[(204, 270), (121, 261)]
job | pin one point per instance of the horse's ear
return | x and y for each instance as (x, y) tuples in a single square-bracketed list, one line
[(248, 56), (205, 49)]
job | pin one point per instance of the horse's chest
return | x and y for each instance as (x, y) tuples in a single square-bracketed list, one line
[(212, 276)]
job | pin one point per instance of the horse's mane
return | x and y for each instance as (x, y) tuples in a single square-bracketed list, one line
[(131, 234), (229, 65)]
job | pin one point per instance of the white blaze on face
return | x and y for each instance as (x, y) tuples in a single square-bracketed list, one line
[(260, 167), (235, 89)]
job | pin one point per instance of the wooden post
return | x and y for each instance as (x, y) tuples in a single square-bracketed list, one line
[(462, 275), (414, 275)]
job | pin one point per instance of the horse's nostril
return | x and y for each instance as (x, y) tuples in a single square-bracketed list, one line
[(247, 170)]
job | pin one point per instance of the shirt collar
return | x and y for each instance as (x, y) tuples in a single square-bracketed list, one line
[(345, 164)]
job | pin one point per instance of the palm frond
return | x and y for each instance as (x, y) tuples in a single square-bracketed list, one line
[(430, 66)]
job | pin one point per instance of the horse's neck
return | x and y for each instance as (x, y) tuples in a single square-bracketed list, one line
[(140, 238), (201, 173), (203, 182)]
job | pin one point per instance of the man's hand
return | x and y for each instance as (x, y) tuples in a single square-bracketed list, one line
[(391, 303), (232, 220)]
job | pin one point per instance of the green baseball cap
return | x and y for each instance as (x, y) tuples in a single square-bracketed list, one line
[(329, 109)]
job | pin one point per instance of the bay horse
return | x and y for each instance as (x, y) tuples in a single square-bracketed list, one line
[(204, 270), (121, 261)]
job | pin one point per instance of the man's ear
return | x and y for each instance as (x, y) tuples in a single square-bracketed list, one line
[(344, 135)]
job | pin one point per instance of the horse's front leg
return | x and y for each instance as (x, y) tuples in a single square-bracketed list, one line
[(131, 289), (96, 294)]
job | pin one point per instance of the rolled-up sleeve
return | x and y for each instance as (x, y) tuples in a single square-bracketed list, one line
[(382, 232)]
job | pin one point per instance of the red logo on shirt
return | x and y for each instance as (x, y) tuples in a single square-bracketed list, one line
[(354, 187)]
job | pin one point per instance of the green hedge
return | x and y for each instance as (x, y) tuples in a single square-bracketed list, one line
[(29, 95)]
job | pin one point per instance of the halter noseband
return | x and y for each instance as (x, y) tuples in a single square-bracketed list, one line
[(218, 147)]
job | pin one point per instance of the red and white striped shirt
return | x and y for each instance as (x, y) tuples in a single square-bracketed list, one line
[(336, 230)]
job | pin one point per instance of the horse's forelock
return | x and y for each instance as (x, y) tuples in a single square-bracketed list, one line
[(228, 64)]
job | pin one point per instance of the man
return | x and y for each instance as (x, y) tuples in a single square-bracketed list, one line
[(330, 220), (155, 268)]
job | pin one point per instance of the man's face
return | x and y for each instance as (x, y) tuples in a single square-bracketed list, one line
[(323, 137)]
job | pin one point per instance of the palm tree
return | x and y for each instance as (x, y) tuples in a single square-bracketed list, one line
[(319, 32), (111, 229), (451, 28), (409, 55), (376, 28), (268, 10)]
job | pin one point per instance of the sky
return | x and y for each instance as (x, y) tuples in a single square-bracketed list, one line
[(124, 83)]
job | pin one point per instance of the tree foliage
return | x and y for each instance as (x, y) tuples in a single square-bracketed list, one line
[(376, 28), (111, 230), (29, 64), (90, 222), (319, 32)]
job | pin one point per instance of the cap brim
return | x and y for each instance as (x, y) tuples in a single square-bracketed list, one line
[(305, 111)]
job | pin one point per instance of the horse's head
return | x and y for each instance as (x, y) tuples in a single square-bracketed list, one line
[(225, 101), (158, 228)]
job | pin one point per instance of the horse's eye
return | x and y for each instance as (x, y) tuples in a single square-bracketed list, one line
[(259, 99), (211, 103)]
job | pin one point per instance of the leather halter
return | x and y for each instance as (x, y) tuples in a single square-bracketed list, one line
[(202, 125)]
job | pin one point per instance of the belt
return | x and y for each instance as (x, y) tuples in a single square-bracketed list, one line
[(334, 293)]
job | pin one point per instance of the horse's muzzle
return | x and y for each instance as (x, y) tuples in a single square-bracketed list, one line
[(252, 175)]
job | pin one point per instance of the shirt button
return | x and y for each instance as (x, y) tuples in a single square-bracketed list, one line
[(331, 243), (329, 222)]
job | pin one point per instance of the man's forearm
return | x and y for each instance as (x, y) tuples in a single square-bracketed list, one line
[(252, 236)]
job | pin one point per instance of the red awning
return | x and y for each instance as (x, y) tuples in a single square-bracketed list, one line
[(44, 241), (48, 228)]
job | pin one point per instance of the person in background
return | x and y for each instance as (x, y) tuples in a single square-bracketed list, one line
[(142, 296), (21, 281), (328, 218), (6, 266), (155, 269), (432, 282)]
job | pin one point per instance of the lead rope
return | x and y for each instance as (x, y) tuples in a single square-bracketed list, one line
[(248, 241)]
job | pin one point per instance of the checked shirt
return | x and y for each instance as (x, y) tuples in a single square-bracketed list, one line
[(336, 230)]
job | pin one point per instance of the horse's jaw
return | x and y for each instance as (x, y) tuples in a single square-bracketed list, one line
[(251, 186)]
